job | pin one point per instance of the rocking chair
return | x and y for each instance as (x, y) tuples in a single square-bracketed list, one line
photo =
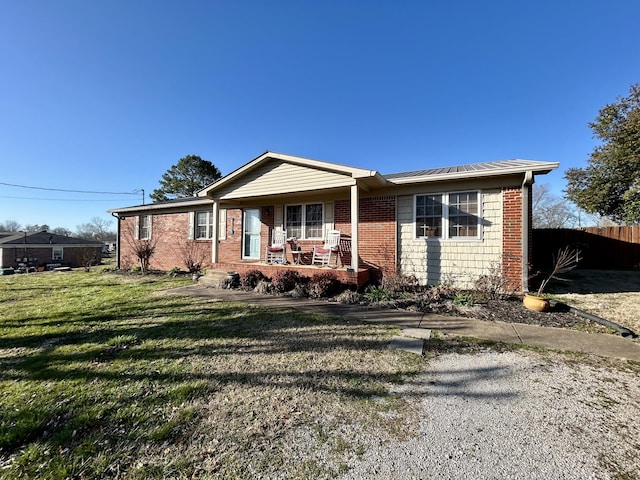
[(275, 253), (322, 255)]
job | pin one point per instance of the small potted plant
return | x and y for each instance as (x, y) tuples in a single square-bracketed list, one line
[(295, 246), (194, 269), (565, 260)]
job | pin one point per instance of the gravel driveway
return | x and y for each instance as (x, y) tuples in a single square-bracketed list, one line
[(515, 415)]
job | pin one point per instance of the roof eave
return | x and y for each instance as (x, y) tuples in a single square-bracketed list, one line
[(541, 169), (160, 206)]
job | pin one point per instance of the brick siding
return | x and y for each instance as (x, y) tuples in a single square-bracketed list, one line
[(170, 233), (377, 234), (377, 231), (72, 256), (512, 236), (230, 249)]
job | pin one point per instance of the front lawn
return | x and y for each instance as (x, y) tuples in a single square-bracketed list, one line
[(107, 376)]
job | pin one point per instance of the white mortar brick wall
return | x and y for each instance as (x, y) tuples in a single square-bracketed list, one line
[(460, 262)]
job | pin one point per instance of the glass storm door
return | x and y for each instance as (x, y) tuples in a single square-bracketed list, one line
[(251, 237)]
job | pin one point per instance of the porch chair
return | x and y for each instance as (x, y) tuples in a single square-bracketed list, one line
[(322, 254), (276, 251)]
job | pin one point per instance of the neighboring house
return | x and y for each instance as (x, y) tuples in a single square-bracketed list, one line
[(443, 224), (42, 249)]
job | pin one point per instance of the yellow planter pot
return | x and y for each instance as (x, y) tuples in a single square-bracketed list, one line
[(538, 304)]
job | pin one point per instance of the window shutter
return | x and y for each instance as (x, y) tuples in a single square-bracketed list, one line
[(328, 217), (192, 219), (136, 228), (222, 224), (278, 220), (150, 226)]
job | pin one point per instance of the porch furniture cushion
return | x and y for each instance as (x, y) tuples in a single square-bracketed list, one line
[(276, 252)]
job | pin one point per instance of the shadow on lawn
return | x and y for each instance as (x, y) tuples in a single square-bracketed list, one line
[(140, 339), (465, 383), (598, 281), (125, 355)]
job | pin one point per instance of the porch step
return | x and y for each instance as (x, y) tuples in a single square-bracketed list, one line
[(214, 278)]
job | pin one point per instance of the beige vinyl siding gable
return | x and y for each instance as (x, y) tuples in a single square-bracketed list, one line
[(458, 261), (280, 177)]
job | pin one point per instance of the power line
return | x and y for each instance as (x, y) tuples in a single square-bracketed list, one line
[(69, 191), (61, 199)]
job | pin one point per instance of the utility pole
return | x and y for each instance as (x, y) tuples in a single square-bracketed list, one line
[(140, 190)]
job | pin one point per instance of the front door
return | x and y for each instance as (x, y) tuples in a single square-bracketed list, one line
[(251, 237)]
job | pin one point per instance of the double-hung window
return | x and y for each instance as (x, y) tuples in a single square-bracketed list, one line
[(464, 218), (429, 211), (304, 221), (58, 253), (144, 227), (448, 215), (203, 225)]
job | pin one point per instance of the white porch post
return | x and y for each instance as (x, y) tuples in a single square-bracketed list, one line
[(216, 234), (354, 226)]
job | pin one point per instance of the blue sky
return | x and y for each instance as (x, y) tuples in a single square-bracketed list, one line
[(106, 96)]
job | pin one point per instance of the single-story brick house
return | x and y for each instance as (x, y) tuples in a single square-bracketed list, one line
[(441, 224), (42, 249)]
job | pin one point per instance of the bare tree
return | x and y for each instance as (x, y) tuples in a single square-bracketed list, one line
[(193, 255), (142, 249), (10, 226), (551, 211), (36, 228), (96, 229), (62, 231), (605, 222), (87, 257)]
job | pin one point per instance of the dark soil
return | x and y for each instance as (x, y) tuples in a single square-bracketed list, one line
[(512, 310), (504, 310)]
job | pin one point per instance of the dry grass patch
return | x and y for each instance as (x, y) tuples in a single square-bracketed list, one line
[(621, 308), (611, 294)]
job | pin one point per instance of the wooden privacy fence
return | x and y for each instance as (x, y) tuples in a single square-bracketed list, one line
[(601, 247)]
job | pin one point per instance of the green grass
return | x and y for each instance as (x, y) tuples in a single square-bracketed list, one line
[(108, 376)]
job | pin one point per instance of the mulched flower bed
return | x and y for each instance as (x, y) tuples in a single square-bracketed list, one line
[(504, 310), (512, 310)]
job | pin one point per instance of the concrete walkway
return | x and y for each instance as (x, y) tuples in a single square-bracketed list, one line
[(417, 325)]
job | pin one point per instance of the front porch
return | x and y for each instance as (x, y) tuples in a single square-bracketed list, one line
[(345, 275)]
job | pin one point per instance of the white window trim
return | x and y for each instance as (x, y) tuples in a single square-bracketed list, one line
[(304, 218), (222, 224), (208, 224), (138, 227), (445, 217), (53, 253)]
